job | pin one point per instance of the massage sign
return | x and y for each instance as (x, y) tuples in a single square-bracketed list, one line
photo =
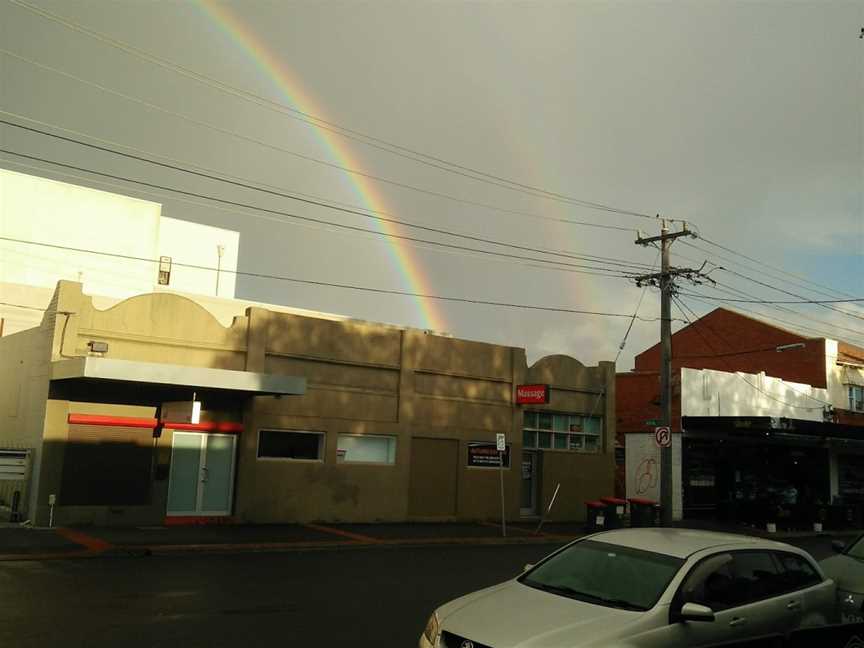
[(532, 394)]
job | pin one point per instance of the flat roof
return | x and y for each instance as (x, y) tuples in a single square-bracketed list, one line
[(157, 373)]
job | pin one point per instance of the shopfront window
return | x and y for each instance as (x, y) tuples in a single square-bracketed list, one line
[(355, 448), (290, 444), (554, 431)]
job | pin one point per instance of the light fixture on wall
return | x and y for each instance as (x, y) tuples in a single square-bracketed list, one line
[(789, 347), (97, 347)]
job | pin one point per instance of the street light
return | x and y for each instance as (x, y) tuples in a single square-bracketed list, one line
[(788, 347)]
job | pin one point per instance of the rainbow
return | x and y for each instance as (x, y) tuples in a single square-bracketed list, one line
[(402, 255)]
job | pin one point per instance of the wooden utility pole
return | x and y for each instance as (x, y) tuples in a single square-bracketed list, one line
[(665, 281)]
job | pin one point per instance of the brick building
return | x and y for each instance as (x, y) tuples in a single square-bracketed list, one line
[(751, 401)]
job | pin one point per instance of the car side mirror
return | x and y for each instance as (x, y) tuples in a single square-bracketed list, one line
[(696, 612), (528, 567), (838, 546)]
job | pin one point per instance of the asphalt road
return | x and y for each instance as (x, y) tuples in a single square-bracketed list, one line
[(376, 597)]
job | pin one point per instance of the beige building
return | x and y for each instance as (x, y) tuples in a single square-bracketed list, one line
[(303, 418)]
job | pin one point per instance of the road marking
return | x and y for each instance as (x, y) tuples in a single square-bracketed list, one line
[(89, 542), (345, 534)]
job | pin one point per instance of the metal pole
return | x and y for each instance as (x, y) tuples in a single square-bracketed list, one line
[(501, 474), (665, 375), (220, 250)]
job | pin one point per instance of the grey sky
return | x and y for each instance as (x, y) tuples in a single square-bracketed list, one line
[(744, 118)]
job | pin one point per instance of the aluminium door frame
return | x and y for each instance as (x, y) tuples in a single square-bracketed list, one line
[(202, 465)]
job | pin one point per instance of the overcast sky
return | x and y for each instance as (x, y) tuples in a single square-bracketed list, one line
[(742, 118)]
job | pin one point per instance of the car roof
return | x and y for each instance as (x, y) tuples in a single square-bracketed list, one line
[(682, 543)]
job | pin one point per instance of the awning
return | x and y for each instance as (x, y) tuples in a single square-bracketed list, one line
[(758, 426), (171, 375)]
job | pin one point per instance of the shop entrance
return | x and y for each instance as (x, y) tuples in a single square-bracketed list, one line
[(201, 480), (530, 483), (747, 481)]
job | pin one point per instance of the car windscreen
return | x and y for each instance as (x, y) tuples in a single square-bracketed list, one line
[(605, 574), (856, 550)]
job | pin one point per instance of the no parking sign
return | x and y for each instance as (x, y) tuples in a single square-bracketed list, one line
[(663, 437)]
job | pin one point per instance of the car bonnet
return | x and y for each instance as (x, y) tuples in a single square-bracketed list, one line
[(513, 614)]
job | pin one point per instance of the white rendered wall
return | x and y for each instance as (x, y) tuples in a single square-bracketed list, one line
[(706, 392)]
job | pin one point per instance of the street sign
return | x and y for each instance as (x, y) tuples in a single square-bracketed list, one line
[(501, 442), (652, 422), (663, 437)]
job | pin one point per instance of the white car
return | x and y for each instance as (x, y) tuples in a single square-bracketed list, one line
[(658, 588)]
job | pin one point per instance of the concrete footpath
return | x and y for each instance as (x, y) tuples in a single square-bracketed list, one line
[(27, 543)]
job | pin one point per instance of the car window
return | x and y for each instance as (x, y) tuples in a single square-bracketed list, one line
[(856, 549), (797, 572), (731, 579), (606, 574), (709, 583), (757, 576)]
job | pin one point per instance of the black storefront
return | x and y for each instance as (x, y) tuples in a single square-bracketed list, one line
[(755, 470)]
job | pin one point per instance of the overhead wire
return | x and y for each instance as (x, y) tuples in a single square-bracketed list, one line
[(770, 267), (695, 326), (766, 285), (771, 301), (547, 263), (731, 290), (792, 327), (309, 158), (323, 124), (209, 174), (624, 339), (823, 331), (312, 282)]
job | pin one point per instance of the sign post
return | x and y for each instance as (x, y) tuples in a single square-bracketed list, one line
[(501, 444)]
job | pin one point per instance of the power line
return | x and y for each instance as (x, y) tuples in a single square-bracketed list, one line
[(684, 308), (793, 327), (548, 264), (730, 290), (827, 305), (802, 298), (246, 184), (765, 301), (763, 273), (624, 339), (312, 282), (233, 211), (770, 267), (308, 158), (786, 292), (323, 124)]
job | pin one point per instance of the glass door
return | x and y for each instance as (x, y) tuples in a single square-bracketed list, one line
[(201, 479)]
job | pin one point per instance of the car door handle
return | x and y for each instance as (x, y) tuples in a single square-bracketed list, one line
[(737, 621), (793, 605)]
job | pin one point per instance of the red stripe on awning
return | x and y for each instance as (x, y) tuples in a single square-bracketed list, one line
[(119, 421), (142, 422)]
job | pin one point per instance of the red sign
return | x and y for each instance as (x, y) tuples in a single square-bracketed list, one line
[(532, 394)]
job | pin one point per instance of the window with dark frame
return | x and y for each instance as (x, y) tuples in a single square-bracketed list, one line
[(556, 431), (856, 398), (290, 444)]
